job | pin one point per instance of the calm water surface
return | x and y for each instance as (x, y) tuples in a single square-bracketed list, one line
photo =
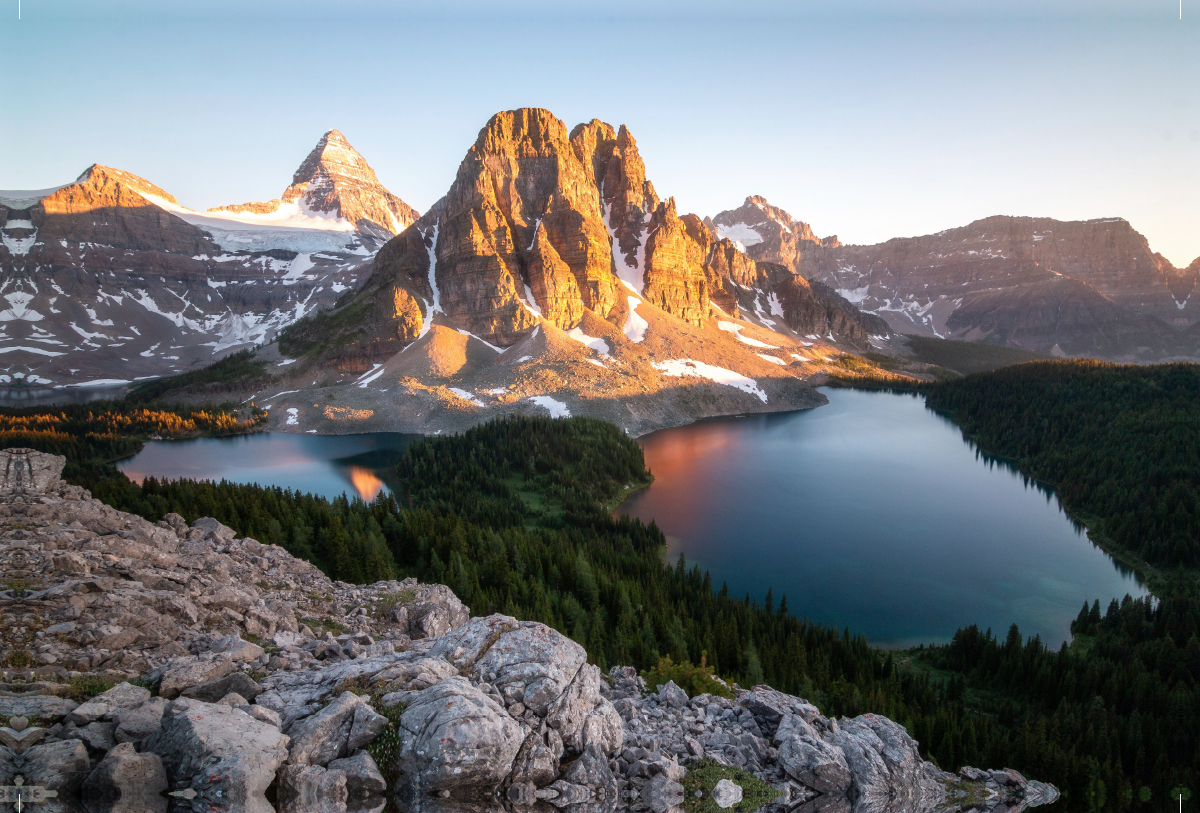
[(873, 513), (329, 465)]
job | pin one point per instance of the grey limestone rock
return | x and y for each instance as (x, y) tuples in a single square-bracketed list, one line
[(727, 794), (102, 706), (227, 758), (126, 782), (136, 723), (26, 470), (42, 706), (338, 730), (211, 692), (809, 759), (672, 696), (365, 784), (58, 766), (191, 671), (662, 793), (311, 789), (458, 737)]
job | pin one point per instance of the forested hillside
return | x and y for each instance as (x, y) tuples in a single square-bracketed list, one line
[(1121, 446)]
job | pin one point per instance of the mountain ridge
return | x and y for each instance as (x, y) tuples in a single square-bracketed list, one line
[(993, 280)]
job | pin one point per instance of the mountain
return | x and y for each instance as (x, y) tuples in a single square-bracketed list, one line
[(1091, 288), (552, 276), (335, 182), (109, 279)]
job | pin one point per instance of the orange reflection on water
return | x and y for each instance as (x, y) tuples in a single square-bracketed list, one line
[(365, 482), (674, 452)]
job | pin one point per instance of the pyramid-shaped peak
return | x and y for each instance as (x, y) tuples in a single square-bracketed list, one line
[(335, 155)]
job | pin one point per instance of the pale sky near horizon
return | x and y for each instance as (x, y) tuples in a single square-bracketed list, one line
[(867, 119)]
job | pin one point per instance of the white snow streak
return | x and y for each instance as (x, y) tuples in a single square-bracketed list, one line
[(719, 375), (635, 326)]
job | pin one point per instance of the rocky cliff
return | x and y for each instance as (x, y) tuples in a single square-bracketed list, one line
[(243, 698), (109, 278), (1076, 288), (544, 224)]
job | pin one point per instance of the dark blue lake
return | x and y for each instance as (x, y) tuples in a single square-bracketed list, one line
[(870, 513), (873, 513)]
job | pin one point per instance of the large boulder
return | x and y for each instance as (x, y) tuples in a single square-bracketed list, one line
[(59, 767), (188, 671), (100, 707), (236, 682), (809, 759), (222, 755), (126, 782), (365, 784), (887, 772), (311, 789), (456, 737), (338, 730), (137, 723), (534, 659), (580, 701), (438, 611)]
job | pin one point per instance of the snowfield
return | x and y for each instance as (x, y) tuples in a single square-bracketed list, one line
[(719, 375), (557, 409), (736, 330)]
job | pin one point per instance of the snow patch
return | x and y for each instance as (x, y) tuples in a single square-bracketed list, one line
[(557, 409), (635, 326), (293, 418), (594, 342), (719, 375), (772, 359), (736, 330), (466, 396), (742, 235)]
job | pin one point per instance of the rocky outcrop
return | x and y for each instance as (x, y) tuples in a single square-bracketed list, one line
[(111, 207), (458, 710)]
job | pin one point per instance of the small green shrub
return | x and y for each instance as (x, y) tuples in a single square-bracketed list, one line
[(85, 687), (691, 678), (704, 775)]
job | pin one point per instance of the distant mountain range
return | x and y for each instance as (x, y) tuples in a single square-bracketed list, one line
[(1077, 288), (551, 276), (109, 278)]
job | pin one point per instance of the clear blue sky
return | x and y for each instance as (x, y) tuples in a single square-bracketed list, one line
[(866, 118)]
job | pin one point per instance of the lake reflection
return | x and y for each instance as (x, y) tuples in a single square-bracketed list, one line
[(329, 465), (872, 513)]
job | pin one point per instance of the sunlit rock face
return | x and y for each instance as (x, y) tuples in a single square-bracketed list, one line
[(1090, 287), (111, 278), (542, 224)]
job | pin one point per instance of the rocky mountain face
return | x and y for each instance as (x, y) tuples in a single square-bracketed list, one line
[(336, 181), (110, 279), (244, 700), (542, 224), (1076, 288), (553, 250)]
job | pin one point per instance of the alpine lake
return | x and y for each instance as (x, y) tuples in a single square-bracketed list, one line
[(870, 513)]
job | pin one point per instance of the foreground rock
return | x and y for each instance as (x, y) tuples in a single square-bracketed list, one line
[(450, 710)]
